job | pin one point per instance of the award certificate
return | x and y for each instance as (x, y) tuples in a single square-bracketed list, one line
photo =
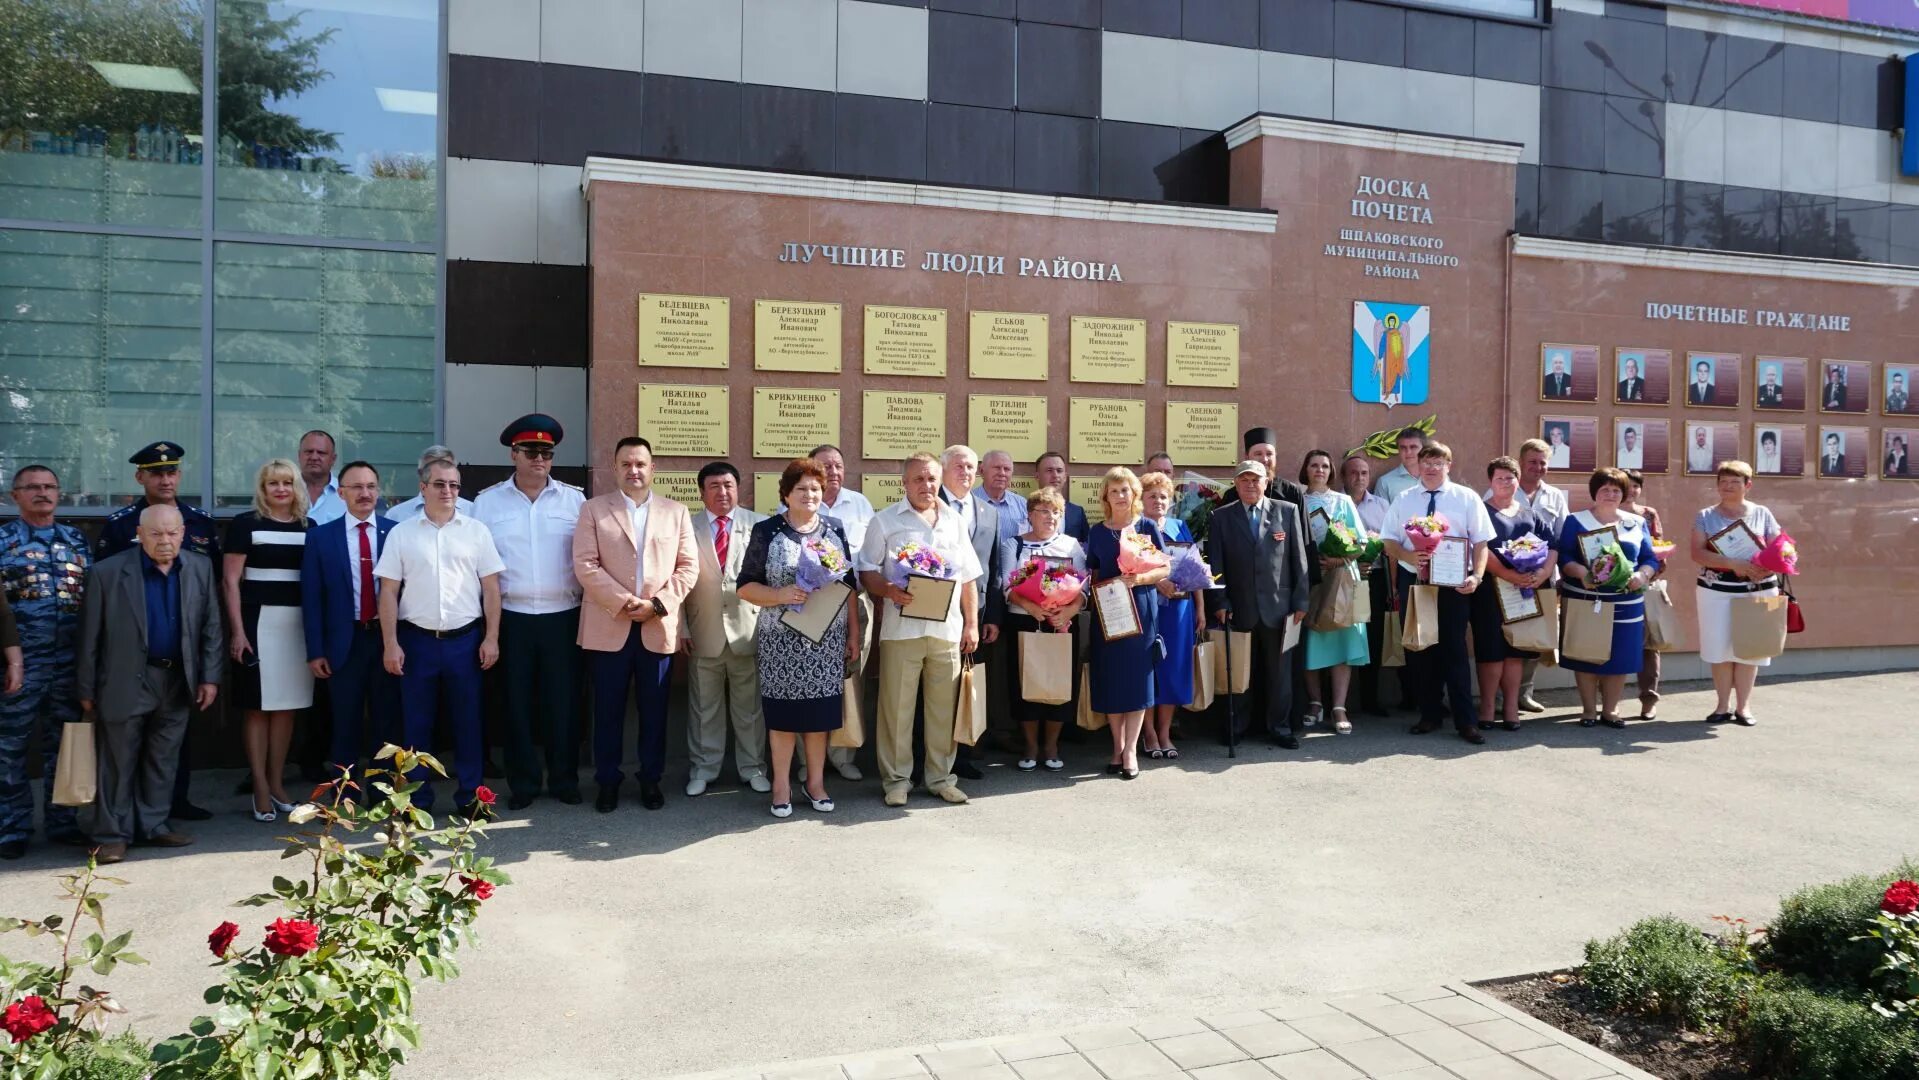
[(1736, 542), (1316, 523), (1291, 637), (1513, 605), (1591, 543), (932, 597), (816, 616), (1451, 562), (1118, 615)]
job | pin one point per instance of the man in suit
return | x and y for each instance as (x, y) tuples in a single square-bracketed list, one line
[(635, 557), (1258, 546), (1833, 462), (1050, 471), (1558, 383), (1262, 445), (1771, 394), (959, 467), (1896, 463), (1631, 386), (150, 648), (1702, 387), (1896, 396), (340, 604), (719, 630), (1832, 396)]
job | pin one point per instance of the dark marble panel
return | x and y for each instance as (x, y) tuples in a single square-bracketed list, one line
[(1694, 214), (1221, 22), (1862, 230), (1755, 75), (1571, 203), (1634, 55), (1296, 26), (1526, 199), (1810, 78), (1806, 225), (1506, 51), (966, 145), (1064, 12), (1369, 33), (587, 110), (1056, 154), (1571, 56), (1871, 91), (1635, 208), (1436, 41), (1904, 226), (1750, 221), (1572, 129), (880, 137), (1197, 174), (516, 313), (1695, 66), (493, 108), (997, 9), (1131, 157), (786, 128), (1636, 12), (969, 60), (695, 120), (1058, 69), (1635, 136), (1159, 18)]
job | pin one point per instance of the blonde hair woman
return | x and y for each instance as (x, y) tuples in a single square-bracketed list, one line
[(271, 680), (1181, 620), (1121, 680)]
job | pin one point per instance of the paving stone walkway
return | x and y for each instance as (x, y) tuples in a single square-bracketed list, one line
[(1450, 1032)]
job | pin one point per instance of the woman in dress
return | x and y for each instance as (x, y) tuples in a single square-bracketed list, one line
[(1121, 680), (1600, 684), (271, 679), (800, 680), (1501, 665), (1342, 649), (1649, 664), (1721, 579), (1179, 623), (1045, 510)]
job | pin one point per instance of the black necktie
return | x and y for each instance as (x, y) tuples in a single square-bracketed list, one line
[(1432, 502)]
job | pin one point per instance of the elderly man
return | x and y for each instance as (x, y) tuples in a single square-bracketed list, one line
[(720, 631), (958, 468), (317, 455), (43, 571), (340, 611), (1257, 544), (996, 490), (920, 658), (1395, 481), (1548, 504), (1262, 445), (150, 648), (411, 508), (854, 512), (1050, 471)]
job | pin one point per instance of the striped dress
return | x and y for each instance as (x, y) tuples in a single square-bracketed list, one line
[(276, 676)]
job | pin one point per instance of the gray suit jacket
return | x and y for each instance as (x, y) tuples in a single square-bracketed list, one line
[(111, 655), (716, 618), (1265, 581), (985, 537)]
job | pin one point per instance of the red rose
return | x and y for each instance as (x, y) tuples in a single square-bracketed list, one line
[(292, 937), (483, 795), (222, 938), (481, 890), (1902, 898), (26, 1018)]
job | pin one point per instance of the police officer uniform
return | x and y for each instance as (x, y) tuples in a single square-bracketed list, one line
[(43, 571)]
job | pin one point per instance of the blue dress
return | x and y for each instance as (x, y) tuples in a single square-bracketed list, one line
[(1628, 608), (1121, 680), (1330, 648), (1173, 675), (1488, 621)]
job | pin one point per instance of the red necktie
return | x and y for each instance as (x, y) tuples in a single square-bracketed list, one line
[(366, 574), (719, 537)]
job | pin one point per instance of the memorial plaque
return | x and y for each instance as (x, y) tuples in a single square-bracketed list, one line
[(894, 424), (684, 331), (1007, 345), (788, 422), (681, 487), (882, 489), (684, 419), (1202, 354), (796, 335), (1084, 490), (1109, 431), (1016, 425), (905, 341), (1203, 432), (1108, 350), (766, 492)]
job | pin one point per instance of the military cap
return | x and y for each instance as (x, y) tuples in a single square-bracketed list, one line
[(533, 429), (159, 455)]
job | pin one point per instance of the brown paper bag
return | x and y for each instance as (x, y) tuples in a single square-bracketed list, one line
[(1758, 627), (1205, 679), (969, 718), (1422, 619), (1392, 648), (1088, 719), (1046, 667), (1588, 633), (851, 734), (1241, 648), (1662, 619), (1331, 605), (1362, 602), (1540, 635), (75, 780)]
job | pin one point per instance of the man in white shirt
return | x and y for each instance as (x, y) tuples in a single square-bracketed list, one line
[(720, 633), (532, 517), (1406, 474), (441, 624), (317, 455), (1699, 451), (920, 654), (1631, 454), (854, 511), (996, 490), (411, 507), (1548, 504), (1442, 670)]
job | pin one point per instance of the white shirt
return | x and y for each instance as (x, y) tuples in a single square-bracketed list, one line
[(1768, 462), (1699, 458), (1394, 482), (1548, 502), (535, 540), (637, 513), (1559, 456), (416, 506), (1012, 511), (963, 504), (353, 552), (854, 512), (893, 527), (1633, 457), (1465, 515), (439, 569), (329, 506), (1372, 511)]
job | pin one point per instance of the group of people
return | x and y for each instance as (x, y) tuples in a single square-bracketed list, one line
[(378, 622)]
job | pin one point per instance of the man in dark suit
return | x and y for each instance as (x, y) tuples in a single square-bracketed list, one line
[(1558, 383), (1833, 462), (1833, 395), (1771, 394), (339, 601), (150, 649), (1702, 387), (959, 468), (1258, 546), (1262, 445), (1632, 387), (1050, 470)]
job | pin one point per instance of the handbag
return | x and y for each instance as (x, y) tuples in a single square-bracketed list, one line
[(1088, 719), (969, 717), (76, 776), (1205, 678), (1239, 649), (1045, 667), (1795, 618), (1422, 619), (851, 734)]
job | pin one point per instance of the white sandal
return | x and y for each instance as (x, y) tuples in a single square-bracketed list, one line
[(1342, 724), (782, 809), (1313, 714)]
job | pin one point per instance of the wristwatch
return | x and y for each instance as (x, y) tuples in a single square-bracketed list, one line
[(658, 608)]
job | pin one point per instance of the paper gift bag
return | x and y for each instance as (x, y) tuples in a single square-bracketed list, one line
[(1541, 633), (1088, 719), (851, 734), (1331, 606), (1588, 632), (1046, 667), (1422, 619), (1758, 626), (1241, 650), (1362, 602), (969, 718), (1205, 679), (74, 779), (1392, 650), (1662, 619)]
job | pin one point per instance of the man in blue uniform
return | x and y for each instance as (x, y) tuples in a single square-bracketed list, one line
[(43, 568), (156, 468)]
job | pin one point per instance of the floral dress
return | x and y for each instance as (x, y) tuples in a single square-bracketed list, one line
[(800, 681)]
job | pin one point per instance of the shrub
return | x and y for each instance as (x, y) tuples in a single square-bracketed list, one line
[(49, 1017), (1664, 967), (1817, 933), (123, 1057), (1794, 1031)]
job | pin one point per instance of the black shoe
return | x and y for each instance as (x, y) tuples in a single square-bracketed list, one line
[(607, 799), (1424, 727), (13, 849), (570, 798), (186, 811), (519, 802), (1613, 721), (490, 771), (1112, 768), (966, 770), (1286, 742), (651, 796), (1718, 718), (1473, 736), (1745, 721), (71, 839)]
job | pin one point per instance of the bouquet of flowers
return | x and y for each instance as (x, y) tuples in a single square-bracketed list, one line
[(820, 564), (1138, 554), (1781, 555), (1662, 549), (1340, 542), (1610, 569), (1191, 573), (1048, 586), (912, 558), (1526, 554), (1425, 532)]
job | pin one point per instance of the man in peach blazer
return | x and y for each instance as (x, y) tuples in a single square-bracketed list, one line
[(634, 556)]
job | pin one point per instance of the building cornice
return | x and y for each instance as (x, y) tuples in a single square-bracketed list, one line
[(1713, 262), (1371, 138)]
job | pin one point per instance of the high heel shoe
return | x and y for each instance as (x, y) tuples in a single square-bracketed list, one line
[(265, 816), (283, 807), (1112, 768)]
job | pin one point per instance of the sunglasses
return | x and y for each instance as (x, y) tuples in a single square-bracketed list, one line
[(536, 453)]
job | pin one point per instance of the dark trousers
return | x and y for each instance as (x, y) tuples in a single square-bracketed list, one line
[(361, 690), (540, 665), (1443, 671), (443, 670), (638, 669), (1270, 690), (314, 733), (1367, 679), (137, 757)]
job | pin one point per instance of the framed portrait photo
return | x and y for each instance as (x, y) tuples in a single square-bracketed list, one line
[(1712, 380), (1642, 377), (1900, 397), (1706, 443), (1779, 382), (1844, 386), (1778, 449), (1568, 372), (1895, 454), (1572, 443), (1841, 453), (1641, 443)]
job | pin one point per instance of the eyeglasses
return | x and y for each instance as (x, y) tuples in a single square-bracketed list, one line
[(36, 487), (361, 489), (537, 455), (444, 485)]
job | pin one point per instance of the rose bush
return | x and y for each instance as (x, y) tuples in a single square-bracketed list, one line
[(1897, 928), (49, 1019)]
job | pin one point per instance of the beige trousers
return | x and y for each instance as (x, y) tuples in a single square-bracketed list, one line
[(908, 670), (728, 684), (841, 755)]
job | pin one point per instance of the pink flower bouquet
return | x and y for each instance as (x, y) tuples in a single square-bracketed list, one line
[(1424, 533), (1138, 554), (1047, 586), (1780, 555), (912, 558)]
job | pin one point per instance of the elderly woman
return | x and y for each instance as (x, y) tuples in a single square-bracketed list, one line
[(800, 680), (1501, 665), (1601, 683), (1121, 680), (1721, 579), (1649, 664), (1343, 649), (271, 680), (1043, 540), (1181, 619)]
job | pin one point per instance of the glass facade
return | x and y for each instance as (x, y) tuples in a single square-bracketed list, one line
[(240, 289)]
